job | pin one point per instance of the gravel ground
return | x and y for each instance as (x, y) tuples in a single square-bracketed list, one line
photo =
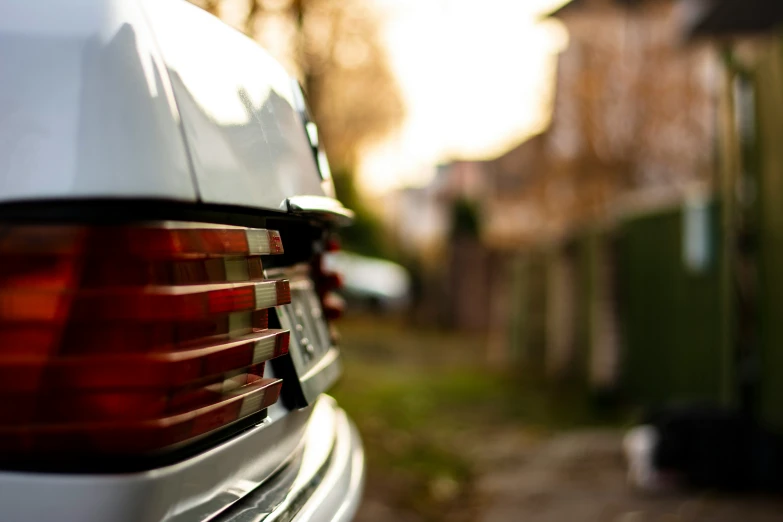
[(580, 476), (571, 477), (446, 441)]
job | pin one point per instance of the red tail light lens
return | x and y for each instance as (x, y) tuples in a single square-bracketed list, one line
[(133, 339), (327, 283)]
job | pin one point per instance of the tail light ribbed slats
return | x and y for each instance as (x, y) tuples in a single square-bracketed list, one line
[(139, 371), (30, 338), (150, 303), (142, 436), (165, 240), (133, 339), (98, 272), (95, 405)]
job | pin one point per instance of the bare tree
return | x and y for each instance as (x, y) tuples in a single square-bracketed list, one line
[(632, 107), (352, 90), (211, 6), (342, 66)]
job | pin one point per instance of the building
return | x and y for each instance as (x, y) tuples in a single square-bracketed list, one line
[(634, 113)]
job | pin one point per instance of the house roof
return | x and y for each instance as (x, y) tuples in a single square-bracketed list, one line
[(567, 7), (574, 5), (734, 17)]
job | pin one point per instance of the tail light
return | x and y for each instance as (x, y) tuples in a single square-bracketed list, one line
[(127, 340), (327, 283)]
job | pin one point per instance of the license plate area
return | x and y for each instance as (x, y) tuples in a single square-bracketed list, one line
[(312, 365)]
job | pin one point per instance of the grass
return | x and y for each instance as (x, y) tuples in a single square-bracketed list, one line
[(424, 400)]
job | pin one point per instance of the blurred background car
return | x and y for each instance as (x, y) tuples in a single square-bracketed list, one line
[(371, 284)]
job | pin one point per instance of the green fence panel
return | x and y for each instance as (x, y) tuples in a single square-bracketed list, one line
[(768, 78), (670, 312), (527, 334)]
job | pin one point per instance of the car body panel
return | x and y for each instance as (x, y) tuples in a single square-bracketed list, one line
[(213, 117), (239, 111), (86, 105)]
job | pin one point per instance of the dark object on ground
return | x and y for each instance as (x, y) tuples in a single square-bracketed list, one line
[(711, 447)]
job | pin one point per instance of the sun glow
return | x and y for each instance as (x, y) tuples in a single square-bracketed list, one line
[(476, 78)]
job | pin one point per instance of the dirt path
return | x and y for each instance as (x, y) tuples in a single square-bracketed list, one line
[(580, 476), (447, 439)]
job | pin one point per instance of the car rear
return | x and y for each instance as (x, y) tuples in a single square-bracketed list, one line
[(165, 336)]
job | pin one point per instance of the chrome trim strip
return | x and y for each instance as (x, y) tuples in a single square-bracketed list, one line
[(258, 241), (320, 207), (322, 375), (266, 295), (294, 274), (264, 348)]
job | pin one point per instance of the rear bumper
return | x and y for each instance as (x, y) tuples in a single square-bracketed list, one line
[(340, 492), (321, 480), (323, 484)]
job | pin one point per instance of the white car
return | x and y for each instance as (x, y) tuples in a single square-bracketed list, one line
[(164, 211), (371, 282)]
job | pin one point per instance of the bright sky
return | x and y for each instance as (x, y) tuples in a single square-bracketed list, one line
[(476, 78)]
